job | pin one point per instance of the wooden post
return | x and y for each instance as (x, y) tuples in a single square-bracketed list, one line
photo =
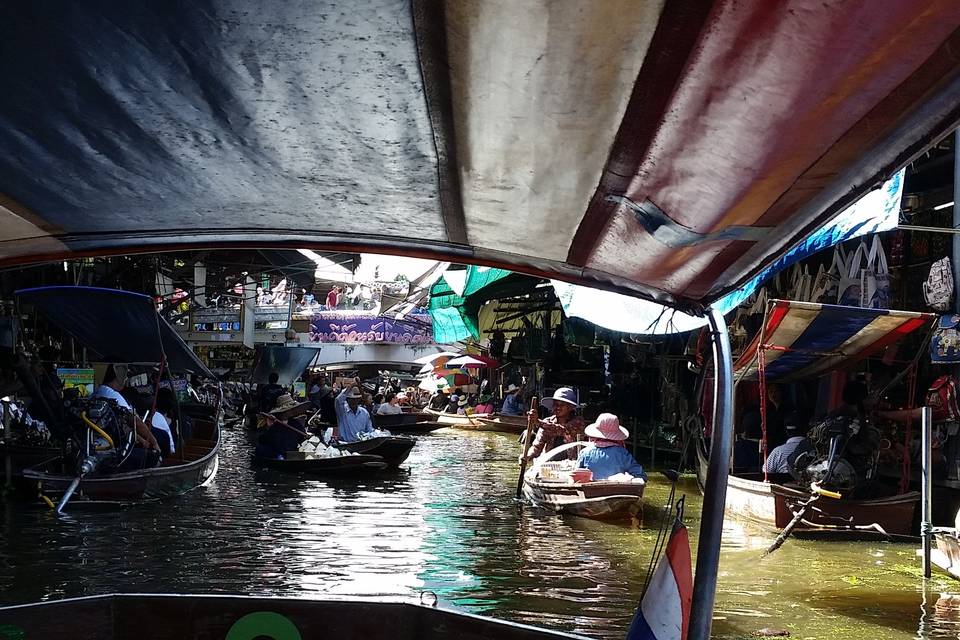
[(532, 419), (926, 486)]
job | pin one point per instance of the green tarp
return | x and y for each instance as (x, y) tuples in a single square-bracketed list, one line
[(455, 316)]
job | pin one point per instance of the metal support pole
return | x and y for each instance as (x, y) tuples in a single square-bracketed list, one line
[(926, 486), (715, 487)]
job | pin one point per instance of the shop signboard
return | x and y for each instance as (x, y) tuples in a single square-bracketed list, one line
[(81, 379), (300, 389), (358, 327)]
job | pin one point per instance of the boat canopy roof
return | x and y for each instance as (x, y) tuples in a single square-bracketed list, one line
[(288, 362), (119, 326), (805, 339), (670, 150)]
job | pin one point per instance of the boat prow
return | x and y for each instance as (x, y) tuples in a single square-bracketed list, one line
[(146, 617)]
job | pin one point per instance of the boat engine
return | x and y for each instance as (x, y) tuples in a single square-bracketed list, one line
[(104, 433), (845, 458)]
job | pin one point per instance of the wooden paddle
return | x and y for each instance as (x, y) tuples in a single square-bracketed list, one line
[(532, 420), (284, 424)]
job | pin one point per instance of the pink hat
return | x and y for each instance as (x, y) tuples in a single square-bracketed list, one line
[(607, 427)]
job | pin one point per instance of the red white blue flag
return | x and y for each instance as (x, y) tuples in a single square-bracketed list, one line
[(664, 612)]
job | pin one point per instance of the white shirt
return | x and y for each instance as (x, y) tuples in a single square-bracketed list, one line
[(160, 422), (105, 391), (387, 409)]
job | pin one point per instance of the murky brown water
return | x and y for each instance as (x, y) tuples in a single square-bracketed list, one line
[(450, 526)]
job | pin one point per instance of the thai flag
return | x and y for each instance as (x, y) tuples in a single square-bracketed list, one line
[(664, 612)]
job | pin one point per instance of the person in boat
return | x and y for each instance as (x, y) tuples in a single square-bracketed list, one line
[(463, 403), (161, 419), (511, 401), (352, 419), (378, 400), (114, 381), (485, 405), (390, 406), (777, 411), (270, 392), (606, 456), (438, 401), (746, 448), (452, 403), (563, 427), (782, 458), (282, 426)]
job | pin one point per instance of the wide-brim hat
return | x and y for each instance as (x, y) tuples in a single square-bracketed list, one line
[(563, 394), (607, 427), (485, 398), (511, 388), (287, 406), (462, 402), (354, 394)]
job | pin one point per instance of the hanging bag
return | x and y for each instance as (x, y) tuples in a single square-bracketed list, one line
[(942, 399), (938, 289), (849, 293), (945, 342), (829, 290), (820, 284), (875, 278), (800, 283)]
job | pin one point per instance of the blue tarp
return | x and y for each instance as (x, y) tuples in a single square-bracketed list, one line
[(288, 362), (119, 326)]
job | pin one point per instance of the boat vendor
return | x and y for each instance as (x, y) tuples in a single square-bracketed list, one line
[(485, 406), (352, 419), (606, 456), (114, 380), (438, 401), (563, 427), (782, 458), (278, 439), (269, 393), (511, 401)]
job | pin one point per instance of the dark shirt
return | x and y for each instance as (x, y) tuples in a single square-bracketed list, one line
[(277, 440), (776, 432), (746, 455), (268, 396)]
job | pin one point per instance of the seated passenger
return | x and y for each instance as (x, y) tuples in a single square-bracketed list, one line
[(462, 405), (746, 449), (390, 406), (606, 456), (485, 405), (114, 381), (511, 401), (781, 459), (160, 423)]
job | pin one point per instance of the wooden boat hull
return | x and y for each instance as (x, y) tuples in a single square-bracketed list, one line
[(476, 422), (17, 457), (150, 617), (505, 424), (772, 505), (946, 553), (416, 422), (393, 450), (345, 465), (198, 466), (587, 499)]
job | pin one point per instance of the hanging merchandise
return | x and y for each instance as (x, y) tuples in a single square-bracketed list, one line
[(759, 305), (849, 293), (898, 248), (826, 287), (945, 342), (801, 283), (938, 289), (875, 278), (942, 399)]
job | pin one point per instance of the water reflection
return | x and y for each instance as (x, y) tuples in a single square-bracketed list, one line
[(451, 526)]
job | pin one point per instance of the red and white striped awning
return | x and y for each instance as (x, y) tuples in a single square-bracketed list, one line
[(662, 148), (803, 339)]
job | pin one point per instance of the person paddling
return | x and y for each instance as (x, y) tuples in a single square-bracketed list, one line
[(563, 427)]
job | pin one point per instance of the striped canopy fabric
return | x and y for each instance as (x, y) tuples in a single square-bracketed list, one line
[(667, 149), (805, 339)]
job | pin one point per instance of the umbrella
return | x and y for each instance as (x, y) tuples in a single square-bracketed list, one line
[(466, 361), (439, 363), (434, 356), (432, 383)]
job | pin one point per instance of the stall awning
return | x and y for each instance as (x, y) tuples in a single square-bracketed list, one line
[(671, 150), (119, 326), (805, 339)]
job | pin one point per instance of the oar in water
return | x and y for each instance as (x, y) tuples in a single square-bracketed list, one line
[(532, 420), (815, 493), (288, 426)]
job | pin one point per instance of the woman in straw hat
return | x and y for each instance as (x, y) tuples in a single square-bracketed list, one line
[(563, 427), (606, 455), (278, 439)]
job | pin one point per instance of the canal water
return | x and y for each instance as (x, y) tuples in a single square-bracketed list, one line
[(450, 526)]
